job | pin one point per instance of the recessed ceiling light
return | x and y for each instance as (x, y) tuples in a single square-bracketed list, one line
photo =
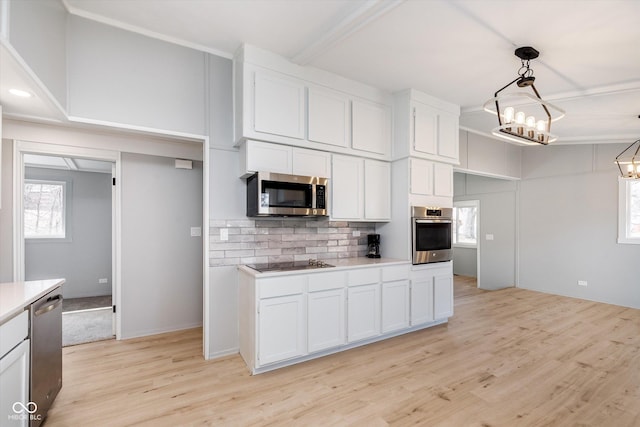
[(20, 93)]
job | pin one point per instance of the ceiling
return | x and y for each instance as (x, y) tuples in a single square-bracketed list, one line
[(459, 51), (76, 164)]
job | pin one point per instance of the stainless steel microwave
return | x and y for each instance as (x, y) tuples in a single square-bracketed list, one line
[(278, 194)]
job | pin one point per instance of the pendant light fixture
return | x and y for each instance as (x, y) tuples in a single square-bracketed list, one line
[(629, 164), (517, 111)]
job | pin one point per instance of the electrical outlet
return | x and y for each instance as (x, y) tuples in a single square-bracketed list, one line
[(582, 283), (103, 281), (489, 237), (224, 234), (356, 233), (196, 231)]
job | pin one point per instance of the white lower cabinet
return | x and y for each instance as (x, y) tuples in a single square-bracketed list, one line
[(288, 318), (326, 319), (364, 312), (395, 305), (282, 330), (442, 296), (431, 292), (14, 370)]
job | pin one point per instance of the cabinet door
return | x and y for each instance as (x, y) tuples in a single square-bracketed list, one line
[(448, 136), (329, 115), (442, 296), (422, 301), (421, 177), (278, 105), (371, 128), (377, 190), (425, 129), (363, 312), (395, 305), (347, 188), (14, 383), (442, 180), (311, 163), (325, 320), (282, 328), (263, 156)]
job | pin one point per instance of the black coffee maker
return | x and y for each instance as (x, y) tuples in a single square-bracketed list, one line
[(373, 246)]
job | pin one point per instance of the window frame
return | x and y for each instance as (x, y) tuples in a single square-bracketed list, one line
[(66, 211), (624, 211), (466, 204)]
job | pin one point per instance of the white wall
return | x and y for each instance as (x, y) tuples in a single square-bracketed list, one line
[(122, 77), (497, 208), (161, 263), (85, 256), (37, 31), (568, 225), (465, 261), (6, 213)]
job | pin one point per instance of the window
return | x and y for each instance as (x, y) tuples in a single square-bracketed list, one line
[(629, 211), (44, 209), (465, 223)]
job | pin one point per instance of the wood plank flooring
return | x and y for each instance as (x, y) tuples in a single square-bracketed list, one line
[(507, 358)]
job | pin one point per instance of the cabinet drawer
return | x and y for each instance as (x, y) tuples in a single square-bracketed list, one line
[(280, 286), (364, 276), (396, 272), (327, 281), (13, 332)]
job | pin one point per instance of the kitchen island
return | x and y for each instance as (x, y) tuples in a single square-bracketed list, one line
[(291, 316)]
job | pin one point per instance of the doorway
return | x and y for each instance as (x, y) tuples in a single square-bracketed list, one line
[(67, 219), (66, 223)]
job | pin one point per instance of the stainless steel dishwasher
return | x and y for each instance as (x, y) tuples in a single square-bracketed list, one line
[(46, 353)]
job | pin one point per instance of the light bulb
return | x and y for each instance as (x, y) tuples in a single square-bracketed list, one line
[(520, 122), (509, 113), (531, 125), (541, 127)]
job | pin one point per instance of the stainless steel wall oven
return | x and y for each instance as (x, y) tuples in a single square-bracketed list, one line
[(432, 234)]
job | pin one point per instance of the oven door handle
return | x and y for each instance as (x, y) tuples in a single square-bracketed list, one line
[(433, 221)]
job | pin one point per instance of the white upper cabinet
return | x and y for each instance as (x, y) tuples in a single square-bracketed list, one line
[(361, 189), (329, 117), (377, 190), (264, 156), (281, 102), (442, 180), (347, 188), (425, 127), (278, 105), (421, 179), (371, 131)]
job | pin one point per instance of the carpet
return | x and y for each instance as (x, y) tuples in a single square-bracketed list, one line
[(73, 304), (80, 327)]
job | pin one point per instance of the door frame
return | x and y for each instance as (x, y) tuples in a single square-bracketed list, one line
[(26, 147)]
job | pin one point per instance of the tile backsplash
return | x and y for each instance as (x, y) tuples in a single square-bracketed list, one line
[(279, 240)]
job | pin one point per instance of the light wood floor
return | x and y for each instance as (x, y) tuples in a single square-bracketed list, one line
[(507, 358)]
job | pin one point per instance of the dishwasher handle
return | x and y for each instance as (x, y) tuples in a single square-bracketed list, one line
[(53, 303)]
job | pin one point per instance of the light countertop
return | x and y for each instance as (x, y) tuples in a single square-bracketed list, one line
[(340, 264), (15, 296)]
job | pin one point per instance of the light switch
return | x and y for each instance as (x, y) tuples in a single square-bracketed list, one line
[(196, 231), (224, 234), (489, 237)]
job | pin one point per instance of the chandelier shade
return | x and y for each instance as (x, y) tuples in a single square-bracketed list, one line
[(628, 161), (517, 111)]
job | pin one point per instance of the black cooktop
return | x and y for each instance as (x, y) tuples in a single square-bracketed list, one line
[(292, 265)]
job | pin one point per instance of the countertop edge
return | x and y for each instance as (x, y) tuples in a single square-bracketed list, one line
[(40, 289)]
